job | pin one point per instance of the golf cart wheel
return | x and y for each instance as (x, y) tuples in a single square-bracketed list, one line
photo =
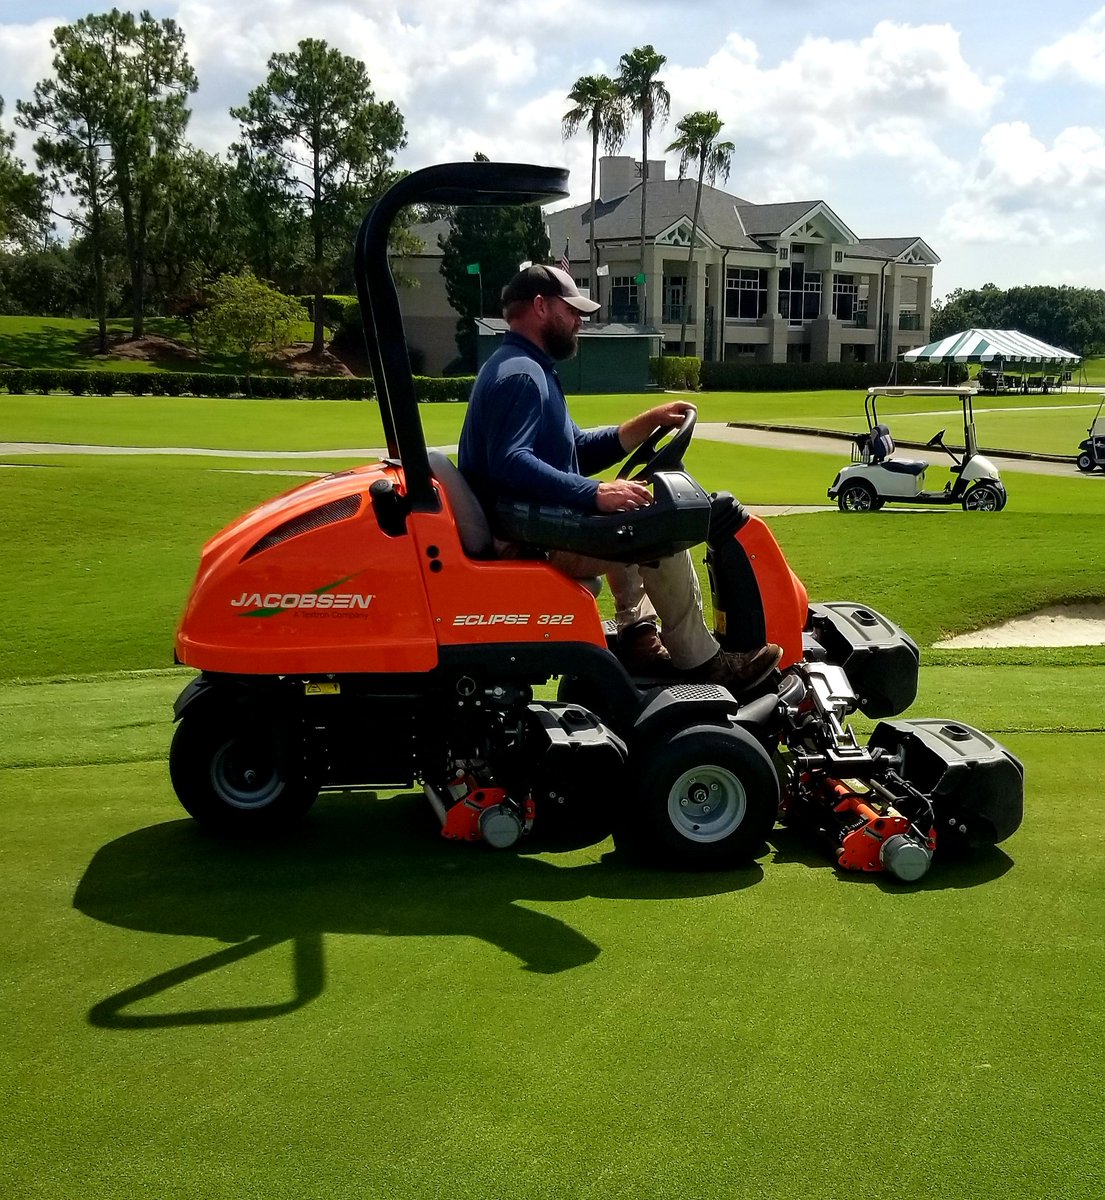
[(704, 798), (1085, 464), (858, 497), (983, 497), (238, 774)]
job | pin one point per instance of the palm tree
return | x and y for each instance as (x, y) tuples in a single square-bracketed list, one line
[(647, 97), (599, 105), (697, 142)]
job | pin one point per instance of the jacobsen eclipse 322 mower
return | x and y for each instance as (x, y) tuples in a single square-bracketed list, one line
[(358, 632)]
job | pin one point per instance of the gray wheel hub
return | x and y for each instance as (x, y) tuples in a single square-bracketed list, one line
[(707, 803), (244, 776)]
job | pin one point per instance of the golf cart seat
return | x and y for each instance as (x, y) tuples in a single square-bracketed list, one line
[(880, 446), (475, 534)]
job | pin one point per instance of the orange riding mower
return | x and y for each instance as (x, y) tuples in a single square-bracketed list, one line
[(358, 632)]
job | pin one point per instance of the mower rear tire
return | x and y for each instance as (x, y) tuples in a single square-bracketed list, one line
[(858, 497), (1085, 464), (239, 774), (705, 798)]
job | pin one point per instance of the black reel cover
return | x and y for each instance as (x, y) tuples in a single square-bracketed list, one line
[(975, 785), (880, 659)]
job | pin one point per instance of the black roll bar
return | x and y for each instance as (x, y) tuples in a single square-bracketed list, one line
[(463, 183)]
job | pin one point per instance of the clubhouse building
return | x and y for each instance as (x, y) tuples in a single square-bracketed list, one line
[(767, 283)]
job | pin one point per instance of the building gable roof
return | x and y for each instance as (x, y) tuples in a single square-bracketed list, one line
[(905, 250), (669, 201)]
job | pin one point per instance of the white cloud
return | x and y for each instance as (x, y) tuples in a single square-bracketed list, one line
[(1080, 54), (885, 96), (1021, 191)]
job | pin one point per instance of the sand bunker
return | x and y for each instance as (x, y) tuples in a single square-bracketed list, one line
[(1062, 625)]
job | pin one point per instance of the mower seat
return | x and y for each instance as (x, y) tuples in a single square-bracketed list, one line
[(472, 526)]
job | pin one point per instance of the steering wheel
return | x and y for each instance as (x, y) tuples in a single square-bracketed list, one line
[(668, 457)]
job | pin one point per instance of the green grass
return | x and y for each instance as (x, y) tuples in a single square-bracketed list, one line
[(298, 425), (71, 343), (369, 1011)]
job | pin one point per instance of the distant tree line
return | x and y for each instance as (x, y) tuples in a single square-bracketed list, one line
[(155, 221), (1072, 318)]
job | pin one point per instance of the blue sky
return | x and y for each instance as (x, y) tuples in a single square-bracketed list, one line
[(977, 126)]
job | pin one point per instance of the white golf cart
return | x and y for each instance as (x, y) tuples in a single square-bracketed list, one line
[(1091, 451), (876, 477)]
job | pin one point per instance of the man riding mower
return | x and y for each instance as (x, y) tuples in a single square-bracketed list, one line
[(359, 632)]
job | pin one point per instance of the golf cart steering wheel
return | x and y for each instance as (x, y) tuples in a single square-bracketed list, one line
[(668, 457)]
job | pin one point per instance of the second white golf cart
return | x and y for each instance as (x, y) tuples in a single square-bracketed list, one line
[(876, 477), (1091, 451)]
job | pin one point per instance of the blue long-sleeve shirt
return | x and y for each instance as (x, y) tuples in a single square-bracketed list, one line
[(519, 441)]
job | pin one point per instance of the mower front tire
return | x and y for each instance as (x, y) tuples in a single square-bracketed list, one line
[(238, 773), (705, 798), (858, 497)]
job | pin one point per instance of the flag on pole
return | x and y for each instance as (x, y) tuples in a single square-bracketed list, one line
[(473, 268), (564, 264)]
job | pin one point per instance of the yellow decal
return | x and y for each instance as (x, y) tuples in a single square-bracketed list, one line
[(316, 688)]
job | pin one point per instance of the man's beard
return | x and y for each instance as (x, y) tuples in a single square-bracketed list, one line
[(561, 343)]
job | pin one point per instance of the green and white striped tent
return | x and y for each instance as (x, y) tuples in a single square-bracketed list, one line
[(990, 346)]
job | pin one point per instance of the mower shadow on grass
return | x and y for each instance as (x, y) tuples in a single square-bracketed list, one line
[(357, 866), (983, 865)]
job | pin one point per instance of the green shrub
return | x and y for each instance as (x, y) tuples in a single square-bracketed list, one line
[(675, 371), (797, 377), (431, 390)]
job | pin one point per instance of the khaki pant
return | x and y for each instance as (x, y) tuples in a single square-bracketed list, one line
[(667, 589)]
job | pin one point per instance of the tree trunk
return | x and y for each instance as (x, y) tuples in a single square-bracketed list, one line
[(591, 248), (96, 234), (644, 194), (316, 227), (690, 257), (126, 205)]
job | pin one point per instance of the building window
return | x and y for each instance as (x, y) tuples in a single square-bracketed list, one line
[(845, 297), (784, 253), (624, 302), (675, 306), (745, 293), (838, 256), (799, 294)]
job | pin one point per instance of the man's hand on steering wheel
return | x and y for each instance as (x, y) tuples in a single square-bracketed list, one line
[(649, 456), (622, 495), (664, 416)]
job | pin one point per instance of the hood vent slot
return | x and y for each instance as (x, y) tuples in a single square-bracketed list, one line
[(326, 514)]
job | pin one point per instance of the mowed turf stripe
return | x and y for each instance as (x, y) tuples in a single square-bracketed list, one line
[(480, 1024)]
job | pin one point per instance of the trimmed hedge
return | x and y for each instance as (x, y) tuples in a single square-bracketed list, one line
[(674, 371), (338, 312), (44, 380), (797, 377)]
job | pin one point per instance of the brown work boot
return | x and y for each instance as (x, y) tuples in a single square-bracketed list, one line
[(641, 652), (738, 672)]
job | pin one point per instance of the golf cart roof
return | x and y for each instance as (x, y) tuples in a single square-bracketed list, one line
[(922, 390)]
